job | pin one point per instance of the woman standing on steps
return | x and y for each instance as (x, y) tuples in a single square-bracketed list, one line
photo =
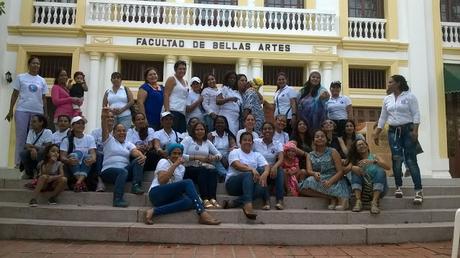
[(366, 166), (247, 176), (169, 193), (400, 110), (175, 96)]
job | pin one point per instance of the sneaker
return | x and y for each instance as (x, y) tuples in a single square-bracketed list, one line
[(52, 201), (136, 189), (398, 192), (120, 203), (33, 202), (418, 199), (375, 208), (100, 186), (358, 206)]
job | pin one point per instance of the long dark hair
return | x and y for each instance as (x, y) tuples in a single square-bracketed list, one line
[(46, 159), (229, 133), (353, 156), (58, 72), (193, 135), (205, 81), (403, 86), (296, 134), (277, 76), (227, 76), (41, 118), (353, 135), (310, 89), (143, 131)]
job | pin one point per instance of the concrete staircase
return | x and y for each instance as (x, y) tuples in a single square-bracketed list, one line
[(305, 221)]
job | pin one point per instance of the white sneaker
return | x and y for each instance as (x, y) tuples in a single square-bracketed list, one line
[(398, 192), (418, 199), (100, 186)]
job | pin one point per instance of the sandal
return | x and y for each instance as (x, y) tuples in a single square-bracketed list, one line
[(207, 204), (279, 206), (266, 207), (215, 203), (77, 187)]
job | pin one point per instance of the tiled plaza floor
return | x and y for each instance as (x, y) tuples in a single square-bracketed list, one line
[(19, 248)]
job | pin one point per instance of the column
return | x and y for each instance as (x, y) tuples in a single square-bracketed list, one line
[(92, 94), (188, 73), (256, 68), (314, 66), (243, 64), (327, 74), (306, 72), (109, 69), (168, 67)]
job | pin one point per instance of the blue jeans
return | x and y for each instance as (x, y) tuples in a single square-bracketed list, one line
[(80, 169), (404, 148), (119, 176), (99, 160), (221, 170), (205, 178), (243, 186), (175, 197), (278, 181), (124, 120), (179, 124), (379, 182), (30, 164)]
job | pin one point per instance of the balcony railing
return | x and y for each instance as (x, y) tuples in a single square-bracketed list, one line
[(451, 34), (203, 17), (366, 28), (54, 14)]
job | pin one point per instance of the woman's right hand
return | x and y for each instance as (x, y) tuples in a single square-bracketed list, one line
[(317, 176), (255, 175), (9, 116), (375, 137)]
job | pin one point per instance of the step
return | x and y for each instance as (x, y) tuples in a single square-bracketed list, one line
[(311, 203), (291, 216), (408, 190), (227, 233)]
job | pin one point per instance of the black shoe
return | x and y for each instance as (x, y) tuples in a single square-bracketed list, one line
[(228, 204), (137, 189), (52, 201), (33, 202)]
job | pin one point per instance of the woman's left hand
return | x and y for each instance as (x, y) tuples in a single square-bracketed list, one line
[(365, 162), (273, 172), (327, 183), (90, 161), (414, 136), (141, 160), (263, 180)]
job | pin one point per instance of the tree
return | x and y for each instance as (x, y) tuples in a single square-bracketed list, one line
[(2, 7)]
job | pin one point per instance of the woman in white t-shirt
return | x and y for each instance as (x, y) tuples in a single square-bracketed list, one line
[(169, 193), (63, 127), (31, 89), (200, 154), (194, 100), (247, 175), (117, 167), (142, 137), (78, 152), (120, 99), (175, 96), (285, 101), (210, 93), (38, 138), (230, 102), (224, 141), (249, 124), (339, 108)]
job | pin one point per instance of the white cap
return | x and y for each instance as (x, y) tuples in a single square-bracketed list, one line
[(76, 119), (194, 79), (166, 113)]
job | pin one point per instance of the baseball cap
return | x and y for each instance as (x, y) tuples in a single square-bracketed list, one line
[(166, 113), (194, 79), (76, 119)]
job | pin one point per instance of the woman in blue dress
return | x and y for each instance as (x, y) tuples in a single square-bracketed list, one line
[(150, 98), (312, 102), (325, 171), (365, 165)]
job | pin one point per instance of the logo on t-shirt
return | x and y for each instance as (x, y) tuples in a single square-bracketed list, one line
[(33, 88), (273, 151)]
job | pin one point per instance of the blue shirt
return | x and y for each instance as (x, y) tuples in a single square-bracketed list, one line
[(153, 104)]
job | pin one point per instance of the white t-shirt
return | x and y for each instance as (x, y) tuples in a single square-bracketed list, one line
[(270, 152), (252, 159), (166, 138), (116, 154), (193, 148), (178, 97), (230, 107), (282, 100), (31, 90), (164, 165), (133, 137), (82, 145), (282, 137), (240, 132), (59, 136), (97, 134), (337, 108), (221, 143), (192, 97), (209, 100), (46, 137), (118, 100)]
